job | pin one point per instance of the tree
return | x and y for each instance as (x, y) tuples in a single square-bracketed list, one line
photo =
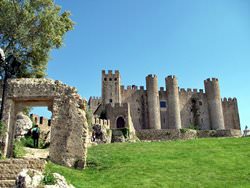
[(30, 29)]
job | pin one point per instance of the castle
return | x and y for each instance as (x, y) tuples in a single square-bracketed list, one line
[(167, 108)]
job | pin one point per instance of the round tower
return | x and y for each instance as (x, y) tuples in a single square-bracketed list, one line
[(154, 120), (174, 116), (214, 103)]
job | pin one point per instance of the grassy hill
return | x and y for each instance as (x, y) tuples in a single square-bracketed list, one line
[(213, 162)]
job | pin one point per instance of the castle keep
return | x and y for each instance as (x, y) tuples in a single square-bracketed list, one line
[(167, 108)]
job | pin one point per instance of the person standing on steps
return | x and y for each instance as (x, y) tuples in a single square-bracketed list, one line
[(35, 135)]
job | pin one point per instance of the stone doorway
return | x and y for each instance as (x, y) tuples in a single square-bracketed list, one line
[(120, 122), (68, 123)]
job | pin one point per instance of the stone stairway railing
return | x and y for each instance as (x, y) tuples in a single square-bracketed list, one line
[(10, 168)]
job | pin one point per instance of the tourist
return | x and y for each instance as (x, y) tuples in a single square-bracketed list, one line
[(245, 131), (35, 135)]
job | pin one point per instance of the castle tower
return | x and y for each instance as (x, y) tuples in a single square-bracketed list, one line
[(154, 119), (111, 92), (214, 103), (174, 116)]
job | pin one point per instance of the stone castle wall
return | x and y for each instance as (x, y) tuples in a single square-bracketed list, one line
[(101, 122), (194, 109), (176, 134), (10, 168), (68, 124), (136, 97), (40, 120), (179, 108), (231, 113)]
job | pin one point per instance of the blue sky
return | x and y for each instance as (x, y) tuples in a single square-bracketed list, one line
[(192, 39)]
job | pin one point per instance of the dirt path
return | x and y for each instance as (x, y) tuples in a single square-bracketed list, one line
[(36, 153)]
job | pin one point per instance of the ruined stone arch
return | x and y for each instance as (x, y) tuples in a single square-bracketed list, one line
[(68, 122)]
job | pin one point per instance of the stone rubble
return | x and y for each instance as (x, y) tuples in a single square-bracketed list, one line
[(23, 125)]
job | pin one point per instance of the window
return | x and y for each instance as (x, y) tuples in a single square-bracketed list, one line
[(163, 104), (110, 79), (110, 100), (115, 79), (105, 79)]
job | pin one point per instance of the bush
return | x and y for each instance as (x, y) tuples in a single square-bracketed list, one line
[(18, 149), (27, 141), (125, 132), (49, 178), (184, 130)]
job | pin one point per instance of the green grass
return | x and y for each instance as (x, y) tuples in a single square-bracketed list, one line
[(214, 162), (19, 150)]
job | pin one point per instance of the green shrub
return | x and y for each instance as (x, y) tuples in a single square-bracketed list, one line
[(184, 130), (27, 141), (49, 178), (18, 149), (125, 132)]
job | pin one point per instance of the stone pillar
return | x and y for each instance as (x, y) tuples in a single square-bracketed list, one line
[(214, 103), (9, 121), (173, 109), (153, 102), (68, 141)]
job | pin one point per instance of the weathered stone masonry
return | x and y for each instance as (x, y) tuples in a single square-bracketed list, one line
[(168, 108), (68, 124)]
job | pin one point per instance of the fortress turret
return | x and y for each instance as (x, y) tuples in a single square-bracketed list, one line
[(214, 103), (174, 116), (111, 92), (153, 102)]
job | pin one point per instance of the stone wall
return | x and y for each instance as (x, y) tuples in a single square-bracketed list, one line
[(179, 108), (10, 168), (173, 134), (68, 124), (231, 113), (194, 109), (137, 99), (165, 134), (94, 103), (219, 133)]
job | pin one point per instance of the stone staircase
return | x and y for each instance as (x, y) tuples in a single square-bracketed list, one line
[(10, 168)]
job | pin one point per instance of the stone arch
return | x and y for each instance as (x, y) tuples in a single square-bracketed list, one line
[(120, 122), (68, 122)]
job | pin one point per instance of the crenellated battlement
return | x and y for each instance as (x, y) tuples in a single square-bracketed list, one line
[(95, 98), (213, 80), (102, 122), (191, 91), (171, 77), (229, 99), (132, 88), (151, 76), (111, 74)]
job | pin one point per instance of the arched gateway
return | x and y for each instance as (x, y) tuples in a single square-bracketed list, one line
[(68, 124)]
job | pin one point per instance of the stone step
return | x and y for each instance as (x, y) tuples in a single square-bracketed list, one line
[(7, 176), (7, 183)]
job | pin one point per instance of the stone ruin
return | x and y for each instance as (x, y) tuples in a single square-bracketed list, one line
[(69, 127)]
